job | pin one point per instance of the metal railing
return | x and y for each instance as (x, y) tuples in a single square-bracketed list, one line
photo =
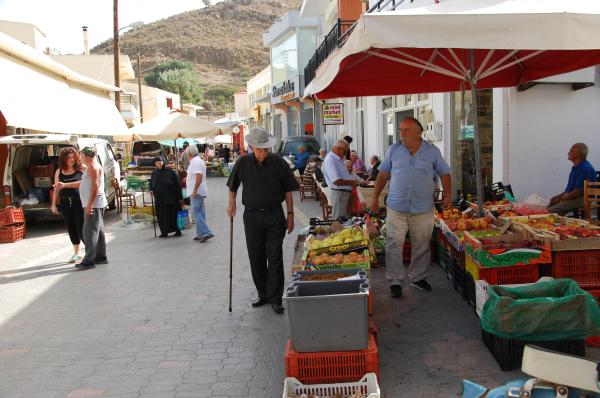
[(334, 39), (386, 5)]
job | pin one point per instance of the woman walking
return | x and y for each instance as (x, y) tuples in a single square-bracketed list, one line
[(66, 194), (166, 188)]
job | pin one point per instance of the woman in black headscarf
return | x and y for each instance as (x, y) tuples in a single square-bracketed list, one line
[(166, 188)]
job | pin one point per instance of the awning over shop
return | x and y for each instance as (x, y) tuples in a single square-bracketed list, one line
[(427, 49), (38, 93)]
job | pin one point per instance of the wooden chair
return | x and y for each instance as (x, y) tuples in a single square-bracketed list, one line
[(308, 188), (591, 200), (123, 198)]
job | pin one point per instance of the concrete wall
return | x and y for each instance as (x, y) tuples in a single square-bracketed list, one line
[(543, 123)]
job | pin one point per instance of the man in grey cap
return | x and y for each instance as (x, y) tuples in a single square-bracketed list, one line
[(267, 181)]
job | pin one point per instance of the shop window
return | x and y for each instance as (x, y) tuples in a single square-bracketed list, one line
[(423, 97), (388, 129), (387, 103)]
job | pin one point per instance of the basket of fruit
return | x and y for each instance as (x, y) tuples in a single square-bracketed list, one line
[(323, 261), (351, 238)]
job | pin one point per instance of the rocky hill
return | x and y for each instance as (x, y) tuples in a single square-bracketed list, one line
[(222, 41)]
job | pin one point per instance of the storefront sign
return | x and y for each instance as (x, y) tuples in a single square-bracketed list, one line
[(286, 90), (333, 114)]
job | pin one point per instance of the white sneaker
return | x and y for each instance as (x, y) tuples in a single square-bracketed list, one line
[(75, 258)]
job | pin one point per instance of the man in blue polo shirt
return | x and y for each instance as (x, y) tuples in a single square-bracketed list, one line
[(412, 166), (301, 159), (572, 198)]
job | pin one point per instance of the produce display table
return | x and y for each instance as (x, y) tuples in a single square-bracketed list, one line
[(367, 193)]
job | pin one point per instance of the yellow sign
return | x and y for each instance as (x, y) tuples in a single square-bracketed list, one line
[(333, 113)]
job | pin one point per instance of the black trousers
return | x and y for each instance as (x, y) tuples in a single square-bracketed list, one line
[(265, 231), (72, 212)]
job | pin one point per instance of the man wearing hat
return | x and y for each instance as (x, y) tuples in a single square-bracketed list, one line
[(267, 181), (94, 202)]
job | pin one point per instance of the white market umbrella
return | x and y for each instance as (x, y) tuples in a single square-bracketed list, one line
[(462, 44)]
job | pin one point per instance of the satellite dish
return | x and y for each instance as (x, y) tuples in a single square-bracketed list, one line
[(235, 129)]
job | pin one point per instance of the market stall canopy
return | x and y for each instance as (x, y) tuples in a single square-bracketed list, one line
[(38, 93), (428, 49), (173, 126)]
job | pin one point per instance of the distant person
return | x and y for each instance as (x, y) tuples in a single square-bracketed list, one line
[(349, 140), (196, 190), (374, 170), (358, 166), (66, 194), (93, 200), (166, 188), (322, 153), (226, 154), (301, 159), (268, 181), (183, 159), (572, 197), (338, 178), (349, 167)]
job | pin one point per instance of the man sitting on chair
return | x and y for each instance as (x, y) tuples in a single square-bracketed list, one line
[(572, 198)]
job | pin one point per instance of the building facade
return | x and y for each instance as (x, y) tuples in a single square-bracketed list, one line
[(525, 133), (292, 40)]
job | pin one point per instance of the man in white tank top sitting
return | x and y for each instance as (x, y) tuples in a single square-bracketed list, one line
[(94, 202)]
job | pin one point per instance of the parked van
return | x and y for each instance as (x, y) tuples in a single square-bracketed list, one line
[(31, 164), (288, 147)]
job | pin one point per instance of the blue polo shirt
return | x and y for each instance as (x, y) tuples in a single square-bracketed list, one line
[(301, 159), (413, 177), (583, 171)]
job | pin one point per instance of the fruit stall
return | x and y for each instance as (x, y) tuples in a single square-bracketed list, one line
[(330, 285)]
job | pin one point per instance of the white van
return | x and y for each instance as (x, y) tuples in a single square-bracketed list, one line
[(32, 161)]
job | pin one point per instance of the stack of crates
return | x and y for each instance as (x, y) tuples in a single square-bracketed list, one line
[(333, 338), (12, 224)]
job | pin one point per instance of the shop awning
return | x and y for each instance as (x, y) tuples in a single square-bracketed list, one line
[(38, 93), (427, 49)]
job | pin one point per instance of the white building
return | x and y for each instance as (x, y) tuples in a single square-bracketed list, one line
[(258, 91), (26, 33), (525, 133)]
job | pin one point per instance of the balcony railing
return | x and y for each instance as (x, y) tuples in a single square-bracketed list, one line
[(334, 39), (386, 5)]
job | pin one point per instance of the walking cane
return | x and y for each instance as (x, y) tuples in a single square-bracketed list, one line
[(230, 260), (153, 216)]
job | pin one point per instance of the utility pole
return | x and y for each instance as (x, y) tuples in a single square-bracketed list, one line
[(116, 52), (139, 79)]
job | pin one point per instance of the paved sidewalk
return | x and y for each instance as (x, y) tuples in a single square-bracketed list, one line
[(154, 321)]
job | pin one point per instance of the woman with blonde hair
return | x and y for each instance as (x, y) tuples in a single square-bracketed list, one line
[(66, 196)]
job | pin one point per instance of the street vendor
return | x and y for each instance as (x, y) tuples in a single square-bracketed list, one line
[(338, 178), (572, 197), (412, 166), (268, 181)]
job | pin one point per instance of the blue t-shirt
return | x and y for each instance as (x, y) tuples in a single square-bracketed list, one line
[(301, 159), (583, 171), (413, 177)]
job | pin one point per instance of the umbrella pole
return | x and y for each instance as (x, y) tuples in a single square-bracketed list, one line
[(176, 157), (476, 144)]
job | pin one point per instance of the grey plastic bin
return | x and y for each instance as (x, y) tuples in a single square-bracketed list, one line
[(328, 315)]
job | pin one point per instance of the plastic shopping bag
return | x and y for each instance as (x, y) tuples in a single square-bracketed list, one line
[(356, 204), (183, 221)]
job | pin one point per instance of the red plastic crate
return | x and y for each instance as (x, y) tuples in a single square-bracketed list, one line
[(583, 266), (373, 328), (12, 234), (11, 215), (331, 366), (513, 274), (41, 170)]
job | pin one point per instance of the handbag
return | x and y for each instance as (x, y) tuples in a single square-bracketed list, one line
[(183, 221)]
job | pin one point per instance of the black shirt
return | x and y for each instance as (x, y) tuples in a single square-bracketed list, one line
[(67, 178), (266, 184)]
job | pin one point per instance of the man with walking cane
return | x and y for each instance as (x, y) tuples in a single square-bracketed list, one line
[(267, 181)]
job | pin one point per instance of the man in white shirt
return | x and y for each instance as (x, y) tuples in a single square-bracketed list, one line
[(338, 178), (196, 191)]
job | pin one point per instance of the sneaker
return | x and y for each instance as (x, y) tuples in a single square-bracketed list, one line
[(396, 291), (421, 285), (75, 258)]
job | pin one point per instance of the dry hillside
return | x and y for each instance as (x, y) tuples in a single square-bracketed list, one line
[(223, 41)]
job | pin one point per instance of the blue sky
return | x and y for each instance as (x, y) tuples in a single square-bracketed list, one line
[(61, 20)]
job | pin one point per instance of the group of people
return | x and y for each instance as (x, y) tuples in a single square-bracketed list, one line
[(79, 196)]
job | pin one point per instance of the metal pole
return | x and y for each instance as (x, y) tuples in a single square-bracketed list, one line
[(153, 210), (139, 79), (116, 52), (476, 145), (230, 261)]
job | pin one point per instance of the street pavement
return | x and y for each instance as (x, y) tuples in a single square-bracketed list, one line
[(154, 322)]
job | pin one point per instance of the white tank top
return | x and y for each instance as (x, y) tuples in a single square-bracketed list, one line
[(85, 189)]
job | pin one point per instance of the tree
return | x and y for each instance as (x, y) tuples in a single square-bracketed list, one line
[(177, 77), (207, 3)]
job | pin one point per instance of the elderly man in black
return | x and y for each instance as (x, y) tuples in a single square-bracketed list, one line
[(267, 181)]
